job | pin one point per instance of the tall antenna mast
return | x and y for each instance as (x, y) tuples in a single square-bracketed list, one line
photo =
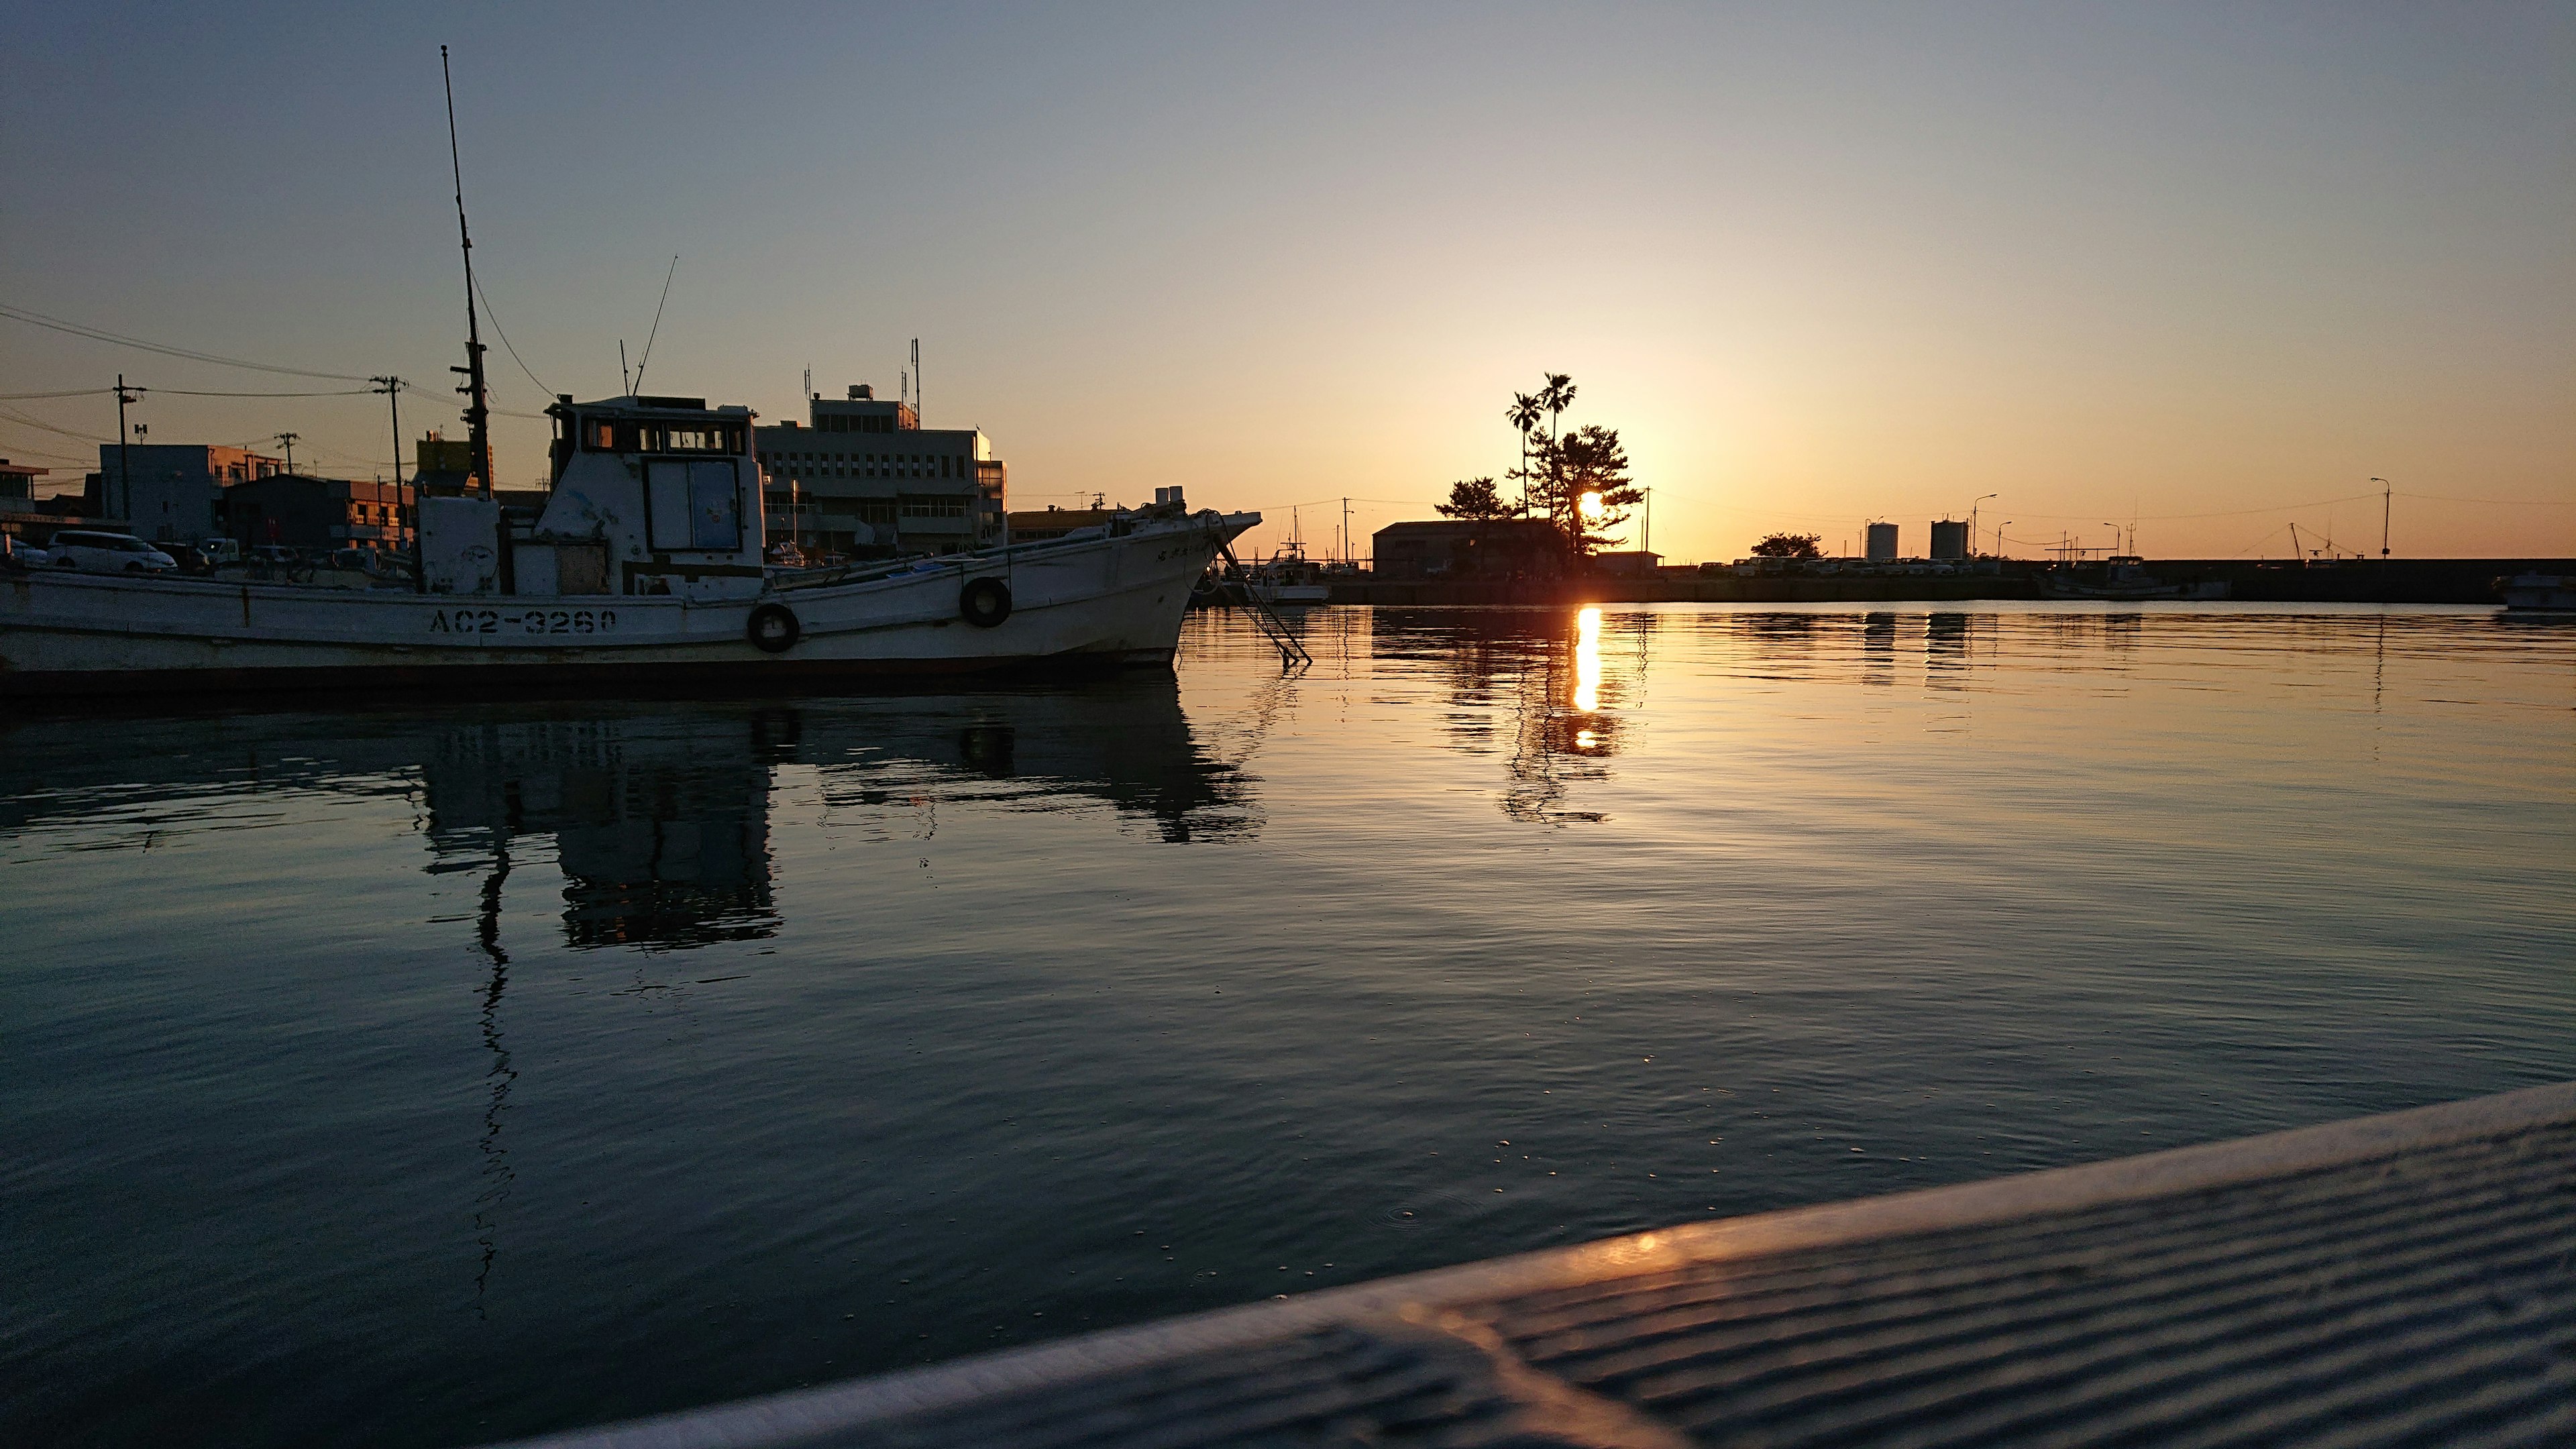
[(916, 382), (478, 398), (646, 360)]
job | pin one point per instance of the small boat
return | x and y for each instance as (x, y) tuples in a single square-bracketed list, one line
[(2122, 576), (2538, 593), (643, 568), (1288, 577)]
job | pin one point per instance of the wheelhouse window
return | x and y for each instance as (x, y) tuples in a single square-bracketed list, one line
[(631, 435)]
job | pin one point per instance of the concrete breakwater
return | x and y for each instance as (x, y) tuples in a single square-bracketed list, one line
[(2393, 581)]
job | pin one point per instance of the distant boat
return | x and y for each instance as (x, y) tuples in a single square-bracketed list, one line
[(2538, 593), (2122, 576), (1288, 577), (643, 568)]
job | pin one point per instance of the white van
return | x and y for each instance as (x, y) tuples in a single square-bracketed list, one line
[(95, 552)]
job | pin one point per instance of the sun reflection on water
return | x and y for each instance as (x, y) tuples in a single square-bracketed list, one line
[(1587, 660)]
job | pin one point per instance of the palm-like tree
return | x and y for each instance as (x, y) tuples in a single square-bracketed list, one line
[(1523, 415), (1556, 397)]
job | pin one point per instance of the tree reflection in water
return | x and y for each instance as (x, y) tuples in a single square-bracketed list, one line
[(1547, 687)]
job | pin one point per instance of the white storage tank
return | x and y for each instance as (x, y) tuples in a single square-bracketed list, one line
[(1949, 539), (1882, 542)]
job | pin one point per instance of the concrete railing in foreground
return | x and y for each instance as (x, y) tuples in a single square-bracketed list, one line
[(2405, 1279)]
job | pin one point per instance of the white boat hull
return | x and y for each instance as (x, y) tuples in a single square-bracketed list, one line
[(1107, 600)]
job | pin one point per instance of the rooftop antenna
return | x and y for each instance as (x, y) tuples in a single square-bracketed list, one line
[(642, 362), (809, 382), (625, 379), (478, 400), (917, 389)]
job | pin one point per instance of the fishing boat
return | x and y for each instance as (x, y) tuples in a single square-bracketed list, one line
[(2123, 576), (643, 568), (2538, 593), (1289, 577)]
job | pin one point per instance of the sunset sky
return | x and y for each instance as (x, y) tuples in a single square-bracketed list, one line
[(2208, 268)]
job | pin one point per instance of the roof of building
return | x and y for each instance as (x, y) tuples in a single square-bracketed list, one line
[(1463, 526)]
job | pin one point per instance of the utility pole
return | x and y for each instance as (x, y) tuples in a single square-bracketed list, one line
[(288, 440), (2386, 493), (478, 410), (389, 386), (124, 457), (1646, 531)]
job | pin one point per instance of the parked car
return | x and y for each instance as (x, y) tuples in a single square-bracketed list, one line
[(97, 552), (190, 558), (17, 553), (273, 561), (221, 551)]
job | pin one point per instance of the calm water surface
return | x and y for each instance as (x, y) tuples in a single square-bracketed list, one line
[(436, 1075)]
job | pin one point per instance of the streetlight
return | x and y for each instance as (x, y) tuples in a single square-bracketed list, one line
[(1999, 536), (2115, 538), (1972, 520)]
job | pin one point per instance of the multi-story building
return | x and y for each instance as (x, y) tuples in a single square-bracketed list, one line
[(863, 477), (173, 491), (319, 514)]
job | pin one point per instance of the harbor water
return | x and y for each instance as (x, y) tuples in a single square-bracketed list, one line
[(431, 1073)]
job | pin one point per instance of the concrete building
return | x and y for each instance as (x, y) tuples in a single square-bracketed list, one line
[(1949, 539), (1463, 549), (442, 466), (319, 514), (18, 486), (1882, 543), (862, 477), (175, 491)]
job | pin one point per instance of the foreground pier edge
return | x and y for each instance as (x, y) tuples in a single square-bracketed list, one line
[(2372, 1280)]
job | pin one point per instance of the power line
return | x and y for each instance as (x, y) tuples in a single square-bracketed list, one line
[(2498, 502), (76, 392), (191, 392), (100, 334), (15, 416)]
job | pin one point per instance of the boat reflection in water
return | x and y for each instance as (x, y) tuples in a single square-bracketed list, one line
[(658, 815)]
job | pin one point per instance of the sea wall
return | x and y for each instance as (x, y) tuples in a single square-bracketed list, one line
[(2400, 581)]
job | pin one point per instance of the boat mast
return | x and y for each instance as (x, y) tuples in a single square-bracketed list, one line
[(478, 408)]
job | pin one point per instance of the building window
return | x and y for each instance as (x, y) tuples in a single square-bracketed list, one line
[(918, 505)]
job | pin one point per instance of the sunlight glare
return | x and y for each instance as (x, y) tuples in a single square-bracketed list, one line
[(1591, 505), (1587, 660)]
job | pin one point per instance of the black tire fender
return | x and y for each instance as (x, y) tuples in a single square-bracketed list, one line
[(773, 628), (984, 602)]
